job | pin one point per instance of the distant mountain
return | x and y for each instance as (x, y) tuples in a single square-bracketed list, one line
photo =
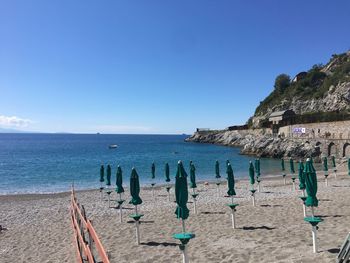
[(5, 130), (323, 88)]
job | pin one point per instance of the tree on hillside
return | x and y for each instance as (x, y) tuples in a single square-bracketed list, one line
[(282, 82)]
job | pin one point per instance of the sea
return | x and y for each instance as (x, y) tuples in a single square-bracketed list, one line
[(51, 163)]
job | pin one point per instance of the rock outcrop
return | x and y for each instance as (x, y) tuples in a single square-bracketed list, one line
[(260, 144)]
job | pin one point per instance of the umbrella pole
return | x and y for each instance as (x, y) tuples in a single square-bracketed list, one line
[(169, 195), (194, 202), (258, 187), (153, 192), (184, 254), (137, 228), (101, 192), (218, 187), (304, 207), (183, 226), (326, 181), (284, 179), (109, 201), (335, 173), (314, 238), (120, 209), (233, 215), (312, 211)]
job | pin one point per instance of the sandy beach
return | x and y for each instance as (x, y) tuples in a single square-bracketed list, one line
[(38, 227)]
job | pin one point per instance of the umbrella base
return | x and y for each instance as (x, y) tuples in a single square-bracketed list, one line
[(232, 206), (184, 237), (136, 217)]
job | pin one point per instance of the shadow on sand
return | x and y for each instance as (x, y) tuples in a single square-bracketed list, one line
[(258, 227), (141, 222), (212, 213), (155, 244)]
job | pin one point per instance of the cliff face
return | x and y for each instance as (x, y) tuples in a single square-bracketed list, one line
[(259, 143), (322, 89)]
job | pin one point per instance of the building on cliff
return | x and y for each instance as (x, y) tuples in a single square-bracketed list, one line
[(281, 118)]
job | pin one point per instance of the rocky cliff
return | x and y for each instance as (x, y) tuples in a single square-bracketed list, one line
[(259, 143), (323, 88)]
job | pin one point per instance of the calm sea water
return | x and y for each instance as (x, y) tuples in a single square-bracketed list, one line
[(45, 163)]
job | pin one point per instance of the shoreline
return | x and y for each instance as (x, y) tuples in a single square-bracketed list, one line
[(342, 170)]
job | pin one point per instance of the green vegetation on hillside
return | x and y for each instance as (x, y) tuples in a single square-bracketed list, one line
[(314, 85)]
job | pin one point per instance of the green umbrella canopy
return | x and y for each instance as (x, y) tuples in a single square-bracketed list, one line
[(217, 170), (192, 176), (181, 192), (230, 181), (282, 165), (108, 176), (102, 173), (333, 161), (291, 165), (311, 184), (119, 189), (153, 168), (135, 188), (325, 164), (251, 173), (301, 176), (257, 167), (167, 173)]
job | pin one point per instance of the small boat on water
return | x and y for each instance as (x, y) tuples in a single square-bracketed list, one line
[(113, 146)]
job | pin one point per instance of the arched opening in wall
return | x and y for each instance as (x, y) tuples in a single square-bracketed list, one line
[(331, 149), (346, 150), (318, 148)]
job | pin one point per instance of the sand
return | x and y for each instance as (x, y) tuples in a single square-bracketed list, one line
[(39, 228)]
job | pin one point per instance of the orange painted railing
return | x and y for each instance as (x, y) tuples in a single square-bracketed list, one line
[(85, 235)]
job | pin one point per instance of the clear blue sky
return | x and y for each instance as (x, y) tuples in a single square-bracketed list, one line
[(155, 66)]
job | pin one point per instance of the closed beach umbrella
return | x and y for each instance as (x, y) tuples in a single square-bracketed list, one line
[(119, 189), (135, 188), (311, 185), (135, 200), (102, 174), (108, 176), (102, 179), (192, 176), (252, 181), (333, 161), (334, 166), (167, 173), (251, 173), (257, 167), (167, 179), (301, 176), (291, 164), (153, 171), (217, 170), (108, 183), (181, 193), (325, 169), (119, 182), (325, 164), (230, 181), (257, 171), (283, 171)]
